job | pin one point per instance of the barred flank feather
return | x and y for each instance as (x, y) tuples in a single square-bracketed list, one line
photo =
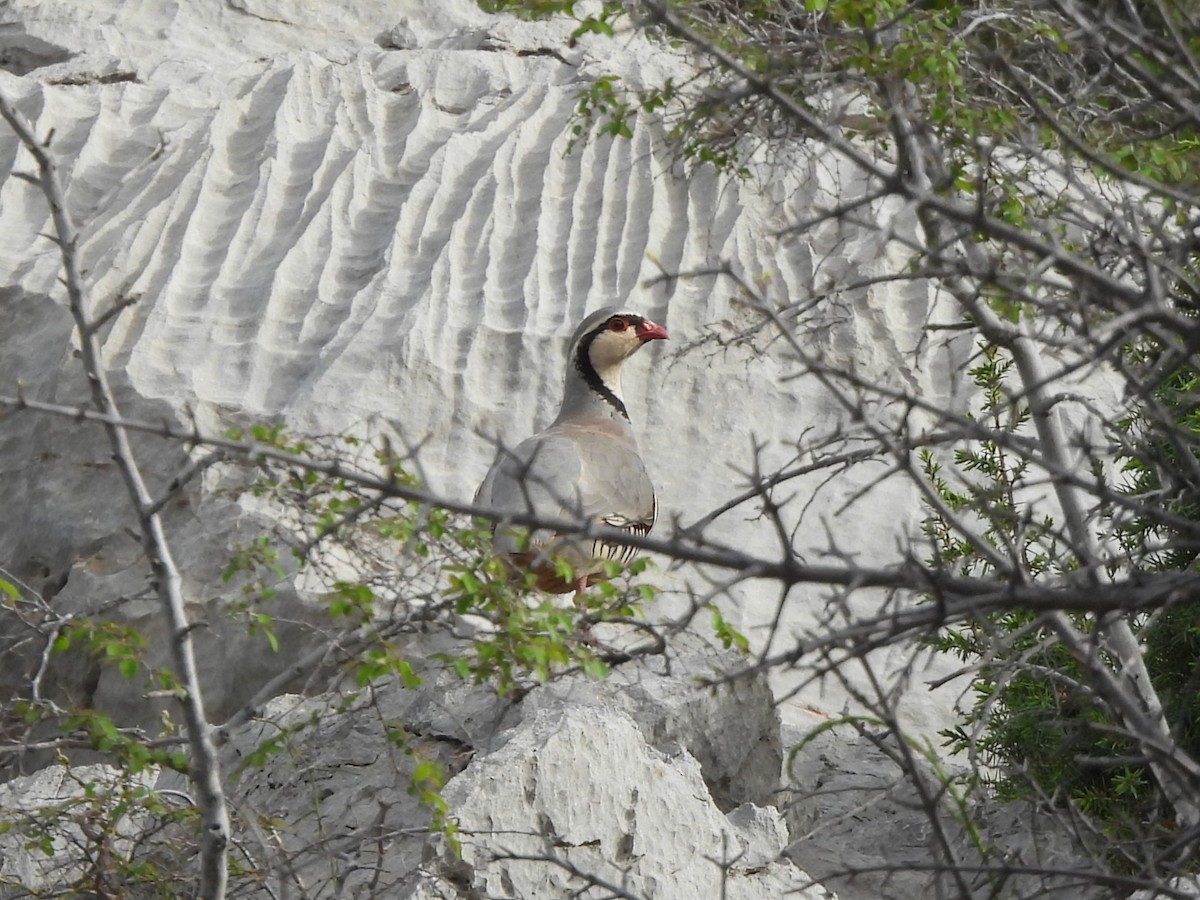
[(622, 553)]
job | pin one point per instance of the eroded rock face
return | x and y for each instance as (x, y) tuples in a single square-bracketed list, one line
[(592, 778), (597, 777), (731, 728), (577, 797), (865, 820), (366, 219), (60, 821)]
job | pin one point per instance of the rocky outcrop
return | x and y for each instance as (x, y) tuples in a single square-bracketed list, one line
[(577, 797), (579, 783), (873, 821), (58, 826), (624, 780)]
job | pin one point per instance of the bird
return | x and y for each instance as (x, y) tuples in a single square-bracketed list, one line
[(585, 466)]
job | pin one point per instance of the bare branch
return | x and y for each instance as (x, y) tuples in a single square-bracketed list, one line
[(206, 771)]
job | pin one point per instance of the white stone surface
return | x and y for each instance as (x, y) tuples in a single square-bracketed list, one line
[(762, 833), (731, 729), (50, 806), (606, 772), (581, 787), (364, 218)]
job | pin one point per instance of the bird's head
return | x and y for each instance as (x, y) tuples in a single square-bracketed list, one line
[(603, 341), (609, 337)]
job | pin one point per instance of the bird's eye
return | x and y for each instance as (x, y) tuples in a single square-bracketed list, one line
[(616, 324)]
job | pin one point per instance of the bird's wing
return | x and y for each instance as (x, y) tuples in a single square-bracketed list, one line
[(614, 486), (540, 477)]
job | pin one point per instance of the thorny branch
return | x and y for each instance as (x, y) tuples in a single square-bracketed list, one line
[(206, 771), (966, 593)]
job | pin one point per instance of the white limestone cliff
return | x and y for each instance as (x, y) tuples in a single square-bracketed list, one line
[(367, 220), (362, 216)]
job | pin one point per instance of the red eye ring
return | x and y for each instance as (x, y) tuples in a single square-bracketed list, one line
[(616, 323)]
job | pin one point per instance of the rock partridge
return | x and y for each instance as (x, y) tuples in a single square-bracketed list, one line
[(585, 466)]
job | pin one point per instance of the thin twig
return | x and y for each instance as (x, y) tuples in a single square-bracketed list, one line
[(206, 770)]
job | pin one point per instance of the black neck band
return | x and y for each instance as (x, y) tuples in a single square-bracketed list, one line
[(583, 362)]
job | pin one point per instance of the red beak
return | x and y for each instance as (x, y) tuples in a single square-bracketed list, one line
[(648, 331)]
